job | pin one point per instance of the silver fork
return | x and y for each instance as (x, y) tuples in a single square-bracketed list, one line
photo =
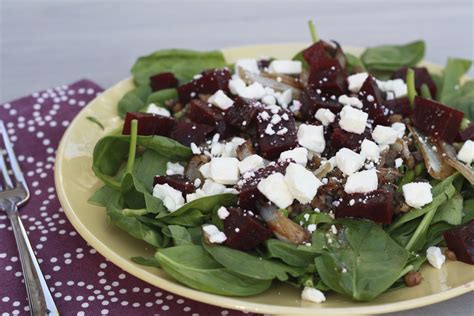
[(13, 195)]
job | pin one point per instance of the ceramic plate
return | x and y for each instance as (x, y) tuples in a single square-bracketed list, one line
[(75, 183)]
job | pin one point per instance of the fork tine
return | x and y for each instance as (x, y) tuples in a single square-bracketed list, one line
[(11, 156), (3, 168)]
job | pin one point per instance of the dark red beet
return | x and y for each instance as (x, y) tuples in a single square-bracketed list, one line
[(436, 119), (242, 114), (329, 76), (209, 82), (324, 50), (177, 182), (312, 99), (467, 133), (164, 80), (187, 133), (263, 63), (461, 241), (375, 206), (149, 124), (341, 138), (243, 230), (398, 106), (249, 195), (205, 113), (422, 76), (371, 98), (275, 138)]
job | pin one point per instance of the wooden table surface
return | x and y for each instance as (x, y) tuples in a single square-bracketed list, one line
[(46, 43)]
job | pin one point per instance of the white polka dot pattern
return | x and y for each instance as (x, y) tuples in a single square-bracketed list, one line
[(81, 281)]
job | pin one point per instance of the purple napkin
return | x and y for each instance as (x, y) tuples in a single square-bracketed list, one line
[(81, 280)]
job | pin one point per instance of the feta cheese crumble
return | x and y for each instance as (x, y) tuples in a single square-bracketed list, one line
[(247, 64), (172, 198), (276, 190), (349, 161), (400, 128), (398, 162), (325, 116), (221, 100), (417, 194), (174, 168), (352, 101), (370, 150), (291, 67), (299, 155), (252, 162), (224, 170), (154, 109), (466, 154), (384, 135), (236, 85), (223, 213), (394, 88), (311, 137), (213, 234), (285, 98), (356, 81), (313, 295), (254, 91), (302, 183), (353, 120), (435, 257), (362, 182)]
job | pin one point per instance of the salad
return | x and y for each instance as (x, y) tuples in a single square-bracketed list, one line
[(330, 172)]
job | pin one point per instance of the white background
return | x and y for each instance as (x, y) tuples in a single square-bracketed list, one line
[(46, 43)]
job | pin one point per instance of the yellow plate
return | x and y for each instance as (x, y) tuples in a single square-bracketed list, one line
[(75, 183)]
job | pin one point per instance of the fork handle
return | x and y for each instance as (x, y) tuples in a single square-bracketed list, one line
[(39, 297)]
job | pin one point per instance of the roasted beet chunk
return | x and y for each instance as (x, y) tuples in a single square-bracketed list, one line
[(398, 106), (467, 133), (249, 195), (324, 50), (329, 76), (209, 82), (436, 119), (149, 124), (205, 113), (422, 76), (164, 80), (177, 182), (312, 99), (461, 241), (375, 205), (243, 230), (187, 133), (276, 132), (242, 114), (341, 138), (371, 98)]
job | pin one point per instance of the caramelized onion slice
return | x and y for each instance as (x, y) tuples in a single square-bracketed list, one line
[(283, 227), (270, 81), (450, 159)]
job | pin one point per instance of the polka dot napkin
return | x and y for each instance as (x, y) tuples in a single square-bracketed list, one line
[(81, 280)]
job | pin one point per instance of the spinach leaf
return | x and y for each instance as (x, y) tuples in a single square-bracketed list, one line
[(393, 57), (149, 262), (354, 64), (160, 98), (104, 196), (451, 211), (184, 64), (299, 57), (250, 265), (468, 213), (134, 100), (452, 73), (179, 234), (298, 256), (148, 165), (194, 267), (95, 121), (362, 261), (136, 195), (462, 99)]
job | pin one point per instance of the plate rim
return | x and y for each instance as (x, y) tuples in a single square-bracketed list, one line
[(213, 299)]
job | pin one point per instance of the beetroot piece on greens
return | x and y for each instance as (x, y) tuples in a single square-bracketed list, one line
[(341, 138), (209, 82), (371, 98), (398, 106), (467, 133), (177, 182), (243, 230), (187, 133), (242, 114), (422, 76), (149, 124), (329, 76), (164, 80), (461, 241), (322, 50), (205, 113), (312, 99), (276, 132), (436, 119), (375, 206)]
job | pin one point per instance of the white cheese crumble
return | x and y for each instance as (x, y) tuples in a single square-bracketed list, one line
[(236, 85), (302, 183), (353, 120), (154, 109), (299, 155), (205, 170), (466, 154), (269, 99), (276, 190), (362, 182), (252, 162), (209, 188), (285, 98), (291, 67), (356, 81), (222, 212), (352, 101), (172, 198), (254, 91), (313, 295), (311, 228), (400, 128), (394, 88), (174, 168), (247, 64), (224, 170), (435, 257), (311, 137), (417, 194), (221, 100), (370, 150), (349, 161), (325, 116), (213, 234), (398, 162), (195, 149), (384, 135)]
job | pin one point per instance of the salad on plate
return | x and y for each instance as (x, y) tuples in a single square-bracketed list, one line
[(328, 171)]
